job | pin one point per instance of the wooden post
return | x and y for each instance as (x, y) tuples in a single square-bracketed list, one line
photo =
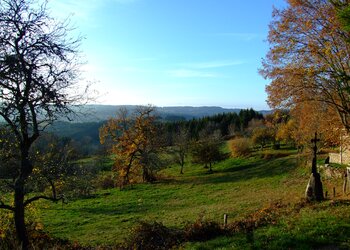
[(225, 220)]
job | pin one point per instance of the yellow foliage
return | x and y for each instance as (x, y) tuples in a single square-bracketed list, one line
[(129, 137)]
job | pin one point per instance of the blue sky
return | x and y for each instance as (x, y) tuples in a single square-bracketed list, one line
[(173, 52)]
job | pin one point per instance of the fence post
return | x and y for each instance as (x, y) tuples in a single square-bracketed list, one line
[(225, 220)]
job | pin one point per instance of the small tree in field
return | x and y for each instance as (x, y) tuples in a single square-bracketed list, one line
[(38, 77), (135, 143), (181, 147), (262, 136), (207, 150)]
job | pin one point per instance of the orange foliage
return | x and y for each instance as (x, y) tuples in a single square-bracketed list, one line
[(131, 139), (311, 117), (309, 61)]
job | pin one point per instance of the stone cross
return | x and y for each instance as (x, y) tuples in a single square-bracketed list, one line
[(314, 163), (314, 189)]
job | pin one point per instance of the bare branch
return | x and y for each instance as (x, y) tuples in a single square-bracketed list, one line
[(4, 206), (43, 197)]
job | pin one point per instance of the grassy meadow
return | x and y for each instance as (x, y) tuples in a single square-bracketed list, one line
[(238, 187)]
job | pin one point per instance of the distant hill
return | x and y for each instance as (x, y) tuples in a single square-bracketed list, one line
[(85, 128), (97, 113)]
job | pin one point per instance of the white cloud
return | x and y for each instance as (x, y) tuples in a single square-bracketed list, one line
[(213, 64), (199, 69)]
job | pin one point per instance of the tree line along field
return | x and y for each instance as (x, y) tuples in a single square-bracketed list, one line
[(238, 187)]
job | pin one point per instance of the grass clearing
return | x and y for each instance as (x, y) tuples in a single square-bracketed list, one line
[(237, 187)]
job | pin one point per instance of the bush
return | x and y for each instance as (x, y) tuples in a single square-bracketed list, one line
[(106, 181), (153, 236), (240, 147), (202, 230)]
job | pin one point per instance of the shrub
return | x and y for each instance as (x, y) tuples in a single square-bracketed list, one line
[(262, 217), (106, 181), (240, 147), (152, 236), (202, 230)]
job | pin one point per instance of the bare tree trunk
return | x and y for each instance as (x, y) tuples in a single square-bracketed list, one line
[(19, 211), (21, 229)]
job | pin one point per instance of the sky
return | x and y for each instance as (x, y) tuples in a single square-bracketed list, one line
[(173, 52)]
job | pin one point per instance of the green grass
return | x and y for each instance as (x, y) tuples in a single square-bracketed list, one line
[(319, 226), (238, 187)]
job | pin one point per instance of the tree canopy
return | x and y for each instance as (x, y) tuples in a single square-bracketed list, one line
[(309, 57)]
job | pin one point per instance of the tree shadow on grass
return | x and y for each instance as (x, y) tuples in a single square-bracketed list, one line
[(119, 210), (248, 171)]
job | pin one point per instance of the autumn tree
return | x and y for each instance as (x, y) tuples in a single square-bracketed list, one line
[(286, 132), (135, 143), (308, 58), (38, 76), (309, 117), (274, 121)]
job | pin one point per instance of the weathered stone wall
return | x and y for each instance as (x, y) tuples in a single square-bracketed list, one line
[(330, 172), (335, 158)]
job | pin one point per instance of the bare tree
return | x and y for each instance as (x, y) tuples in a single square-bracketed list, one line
[(181, 147), (39, 66)]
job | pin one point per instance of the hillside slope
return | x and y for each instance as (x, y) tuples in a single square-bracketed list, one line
[(238, 187)]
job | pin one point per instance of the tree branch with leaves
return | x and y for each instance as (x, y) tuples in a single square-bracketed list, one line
[(308, 58)]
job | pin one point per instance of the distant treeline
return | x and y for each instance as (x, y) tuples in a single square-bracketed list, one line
[(226, 123), (86, 135)]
